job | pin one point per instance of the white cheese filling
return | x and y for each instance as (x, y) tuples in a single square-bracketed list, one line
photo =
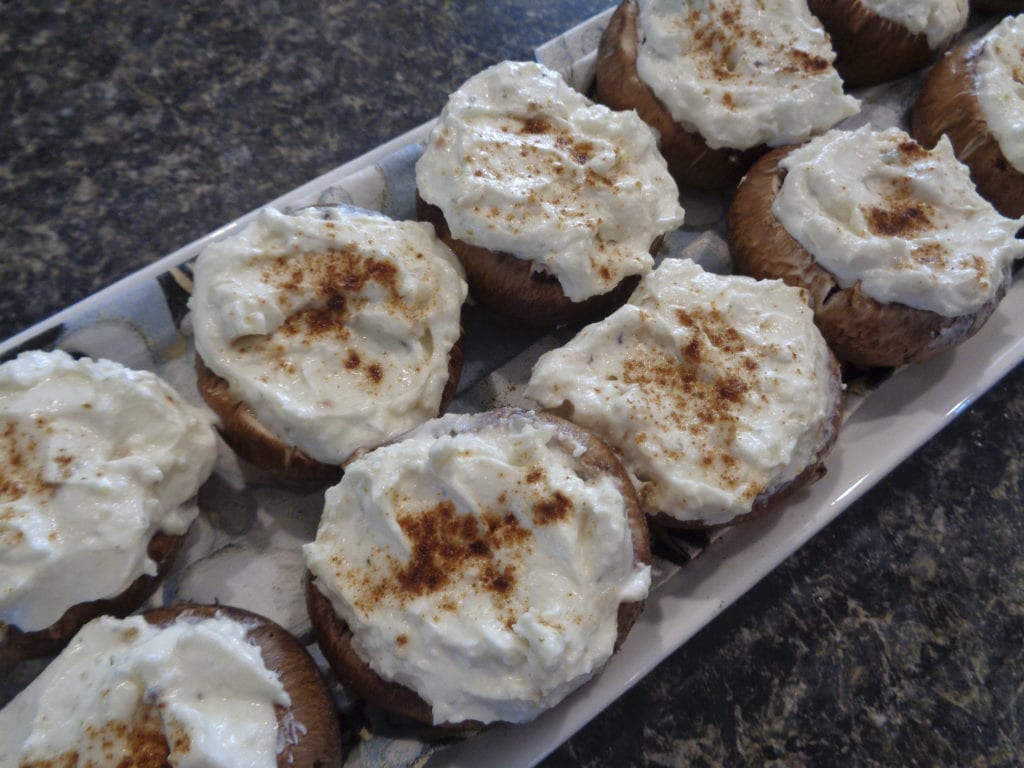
[(95, 459), (334, 327), (741, 72), (999, 81), (875, 207), (521, 163), (478, 567), (124, 687), (938, 20), (713, 389)]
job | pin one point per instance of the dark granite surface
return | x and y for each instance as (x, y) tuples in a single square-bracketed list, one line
[(127, 130)]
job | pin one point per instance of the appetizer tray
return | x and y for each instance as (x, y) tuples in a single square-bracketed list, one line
[(245, 548)]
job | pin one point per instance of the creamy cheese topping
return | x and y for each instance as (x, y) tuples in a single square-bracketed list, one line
[(741, 72), (939, 20), (999, 79), (334, 326), (714, 389), (875, 207), (519, 162), (95, 459), (124, 691), (479, 566)]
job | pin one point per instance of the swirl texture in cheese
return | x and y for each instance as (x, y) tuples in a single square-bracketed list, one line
[(877, 208), (521, 163), (739, 72), (123, 691), (95, 459), (938, 20), (713, 389), (999, 82), (334, 326), (477, 566)]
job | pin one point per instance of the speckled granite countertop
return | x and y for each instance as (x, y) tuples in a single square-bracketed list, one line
[(128, 130)]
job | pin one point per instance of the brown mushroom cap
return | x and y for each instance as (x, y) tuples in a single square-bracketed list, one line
[(16, 645), (335, 640), (252, 441), (663, 523), (318, 742), (948, 104), (859, 35), (335, 637), (255, 443), (618, 85), (859, 329), (509, 286)]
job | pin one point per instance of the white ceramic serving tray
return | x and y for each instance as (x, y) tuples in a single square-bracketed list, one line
[(246, 551)]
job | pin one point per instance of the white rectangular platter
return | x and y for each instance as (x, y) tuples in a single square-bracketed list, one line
[(248, 554)]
